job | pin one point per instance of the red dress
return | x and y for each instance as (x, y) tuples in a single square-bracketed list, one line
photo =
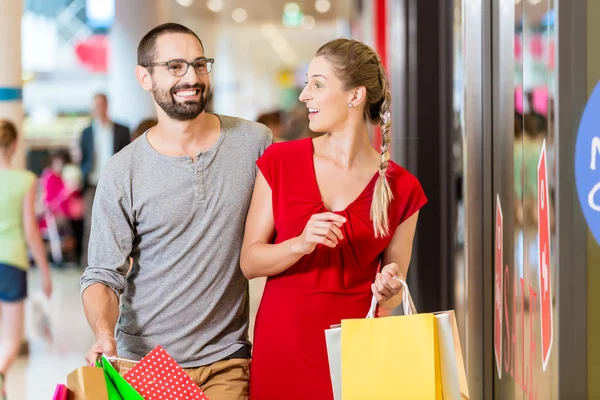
[(290, 355)]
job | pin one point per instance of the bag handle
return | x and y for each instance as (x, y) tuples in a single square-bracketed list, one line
[(407, 303)]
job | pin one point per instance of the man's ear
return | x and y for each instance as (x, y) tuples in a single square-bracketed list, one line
[(143, 76)]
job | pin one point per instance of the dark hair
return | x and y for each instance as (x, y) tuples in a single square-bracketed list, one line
[(143, 127), (8, 134), (269, 118), (146, 48), (62, 155)]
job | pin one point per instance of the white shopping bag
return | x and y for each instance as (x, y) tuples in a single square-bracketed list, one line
[(454, 377)]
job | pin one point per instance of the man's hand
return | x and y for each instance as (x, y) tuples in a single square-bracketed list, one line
[(105, 344)]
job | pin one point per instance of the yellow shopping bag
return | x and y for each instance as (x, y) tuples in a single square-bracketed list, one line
[(413, 357), (391, 358)]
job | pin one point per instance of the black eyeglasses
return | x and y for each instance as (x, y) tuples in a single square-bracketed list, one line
[(179, 68)]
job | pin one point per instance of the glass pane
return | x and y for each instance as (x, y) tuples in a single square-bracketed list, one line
[(459, 164), (539, 184)]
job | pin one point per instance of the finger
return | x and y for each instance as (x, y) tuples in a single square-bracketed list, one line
[(386, 294), (332, 227), (394, 290), (391, 283), (327, 242), (378, 283), (393, 269), (329, 216), (91, 357), (331, 236), (324, 232), (378, 296)]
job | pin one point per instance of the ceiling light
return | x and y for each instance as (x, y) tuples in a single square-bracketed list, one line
[(239, 15), (322, 6), (308, 22), (291, 8), (215, 5), (185, 3), (268, 30), (534, 2)]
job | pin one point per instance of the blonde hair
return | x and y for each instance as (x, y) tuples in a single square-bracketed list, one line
[(357, 64), (8, 134)]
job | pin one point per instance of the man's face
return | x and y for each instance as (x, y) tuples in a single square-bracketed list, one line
[(100, 107), (181, 98)]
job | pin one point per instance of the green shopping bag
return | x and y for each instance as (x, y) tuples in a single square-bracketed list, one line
[(117, 387)]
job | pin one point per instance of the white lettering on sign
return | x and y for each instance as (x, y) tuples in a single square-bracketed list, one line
[(545, 273), (591, 201), (595, 150), (542, 198)]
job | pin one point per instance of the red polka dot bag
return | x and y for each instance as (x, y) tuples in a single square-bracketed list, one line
[(157, 376)]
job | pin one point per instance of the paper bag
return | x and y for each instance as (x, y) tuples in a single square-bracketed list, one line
[(157, 375), (87, 383), (454, 377)]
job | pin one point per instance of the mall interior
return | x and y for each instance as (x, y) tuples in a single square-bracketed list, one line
[(491, 100)]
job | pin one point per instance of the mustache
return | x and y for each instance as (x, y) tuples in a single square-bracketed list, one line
[(199, 86)]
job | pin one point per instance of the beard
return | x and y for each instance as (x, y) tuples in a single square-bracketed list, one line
[(185, 111)]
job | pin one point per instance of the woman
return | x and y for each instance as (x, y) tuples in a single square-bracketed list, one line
[(325, 214), (18, 228)]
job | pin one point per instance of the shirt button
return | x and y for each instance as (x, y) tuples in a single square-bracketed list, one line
[(188, 161)]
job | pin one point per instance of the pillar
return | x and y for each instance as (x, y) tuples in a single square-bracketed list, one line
[(128, 102), (11, 107)]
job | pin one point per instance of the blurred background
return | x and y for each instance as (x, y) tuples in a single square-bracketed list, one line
[(480, 88)]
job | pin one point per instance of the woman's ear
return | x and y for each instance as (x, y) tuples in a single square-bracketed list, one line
[(358, 96)]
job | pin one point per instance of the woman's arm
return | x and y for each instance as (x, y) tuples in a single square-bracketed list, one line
[(396, 260), (260, 258), (34, 238)]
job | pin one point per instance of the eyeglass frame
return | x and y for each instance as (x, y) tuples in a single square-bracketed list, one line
[(188, 65)]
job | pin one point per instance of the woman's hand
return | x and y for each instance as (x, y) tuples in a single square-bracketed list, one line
[(387, 284), (321, 229)]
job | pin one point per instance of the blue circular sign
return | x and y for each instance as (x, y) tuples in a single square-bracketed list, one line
[(587, 163)]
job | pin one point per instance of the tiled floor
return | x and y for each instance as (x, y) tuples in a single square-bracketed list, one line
[(35, 377)]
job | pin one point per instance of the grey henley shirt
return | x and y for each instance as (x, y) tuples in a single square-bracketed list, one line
[(182, 222)]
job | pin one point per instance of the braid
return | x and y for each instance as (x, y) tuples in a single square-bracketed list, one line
[(383, 193)]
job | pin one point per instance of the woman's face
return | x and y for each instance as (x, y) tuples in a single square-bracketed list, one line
[(325, 97), (57, 164)]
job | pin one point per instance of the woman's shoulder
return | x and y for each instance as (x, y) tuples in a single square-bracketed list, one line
[(287, 151), (399, 175), (18, 178)]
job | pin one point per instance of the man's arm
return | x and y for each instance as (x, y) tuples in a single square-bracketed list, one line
[(101, 307), (111, 239), (85, 156)]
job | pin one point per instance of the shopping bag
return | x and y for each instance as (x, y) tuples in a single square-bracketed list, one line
[(87, 383), (116, 386), (61, 392), (391, 358), (454, 377), (157, 375), (333, 338), (417, 356)]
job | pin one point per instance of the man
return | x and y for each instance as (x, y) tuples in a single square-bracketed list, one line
[(99, 142), (175, 201)]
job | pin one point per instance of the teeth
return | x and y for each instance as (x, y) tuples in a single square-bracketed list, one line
[(186, 93), (313, 110)]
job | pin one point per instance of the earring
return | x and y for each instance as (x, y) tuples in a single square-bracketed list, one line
[(350, 105)]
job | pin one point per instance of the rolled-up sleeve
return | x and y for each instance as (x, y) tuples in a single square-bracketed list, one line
[(111, 234)]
